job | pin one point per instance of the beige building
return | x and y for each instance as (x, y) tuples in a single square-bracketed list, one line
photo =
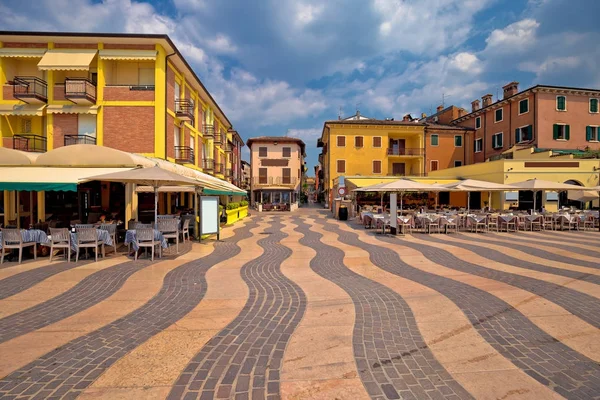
[(277, 165)]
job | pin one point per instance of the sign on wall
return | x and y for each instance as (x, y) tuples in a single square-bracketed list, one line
[(209, 215)]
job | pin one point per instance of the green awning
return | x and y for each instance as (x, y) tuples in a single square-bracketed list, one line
[(39, 186), (215, 192)]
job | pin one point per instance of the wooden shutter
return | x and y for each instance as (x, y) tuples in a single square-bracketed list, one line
[(555, 132), (262, 151), (341, 141), (434, 165), (588, 133), (567, 132), (341, 166), (262, 176), (499, 141), (376, 167), (358, 141), (561, 102), (377, 141), (523, 106), (287, 152), (594, 105), (287, 176), (518, 135)]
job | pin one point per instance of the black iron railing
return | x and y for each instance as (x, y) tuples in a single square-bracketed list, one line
[(275, 180), (30, 142), (218, 138), (218, 168), (208, 164), (80, 89), (405, 152), (184, 154), (30, 88), (79, 139), (208, 131), (184, 109)]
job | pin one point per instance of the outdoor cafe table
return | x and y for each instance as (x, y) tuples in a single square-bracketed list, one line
[(130, 238), (562, 218), (506, 219), (31, 235), (443, 220), (475, 219), (103, 236)]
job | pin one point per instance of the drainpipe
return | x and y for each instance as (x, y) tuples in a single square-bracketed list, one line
[(534, 130), (465, 136), (166, 107), (484, 134), (509, 122), (424, 153)]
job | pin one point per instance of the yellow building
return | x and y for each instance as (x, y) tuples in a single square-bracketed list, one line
[(367, 147)]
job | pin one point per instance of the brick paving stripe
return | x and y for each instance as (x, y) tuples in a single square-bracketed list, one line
[(392, 358), (540, 355), (71, 368), (24, 280), (547, 241), (244, 359)]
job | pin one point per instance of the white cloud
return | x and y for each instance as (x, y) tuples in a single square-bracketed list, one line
[(466, 62), (515, 37), (307, 13), (551, 64), (307, 135), (221, 44)]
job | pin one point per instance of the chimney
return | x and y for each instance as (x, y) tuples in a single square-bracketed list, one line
[(439, 108), (407, 118), (511, 89), (357, 114), (475, 105), (461, 112), (487, 100), (423, 115)]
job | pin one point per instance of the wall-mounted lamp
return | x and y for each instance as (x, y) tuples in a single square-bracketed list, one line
[(510, 169)]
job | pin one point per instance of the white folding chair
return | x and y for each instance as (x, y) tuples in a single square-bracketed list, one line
[(60, 238)]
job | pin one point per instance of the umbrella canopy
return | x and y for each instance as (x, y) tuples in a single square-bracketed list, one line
[(473, 185), (401, 185), (540, 184), (155, 177), (582, 195)]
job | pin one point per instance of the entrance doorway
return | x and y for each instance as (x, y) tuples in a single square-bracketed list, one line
[(475, 201), (399, 169)]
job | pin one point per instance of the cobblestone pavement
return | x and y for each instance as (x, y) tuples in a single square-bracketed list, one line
[(301, 306)]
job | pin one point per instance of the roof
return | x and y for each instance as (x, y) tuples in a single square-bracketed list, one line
[(447, 127), (172, 50), (271, 139), (374, 122), (471, 114)]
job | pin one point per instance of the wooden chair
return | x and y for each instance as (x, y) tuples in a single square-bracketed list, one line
[(112, 232), (405, 226), (548, 222), (60, 239), (185, 230), (590, 222), (452, 224), (573, 222), (520, 223), (432, 224), (88, 238), (492, 222), (170, 230), (535, 222), (12, 239), (145, 238)]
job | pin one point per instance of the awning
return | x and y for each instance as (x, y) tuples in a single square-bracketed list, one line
[(72, 110), (66, 60), (22, 52), (22, 109), (44, 178), (140, 55), (224, 192), (166, 189)]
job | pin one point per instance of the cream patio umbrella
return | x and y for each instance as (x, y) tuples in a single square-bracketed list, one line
[(473, 185), (582, 195), (155, 177), (401, 186), (536, 185)]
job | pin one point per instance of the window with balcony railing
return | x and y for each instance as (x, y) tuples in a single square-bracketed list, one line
[(80, 90), (208, 130), (30, 89), (397, 151), (184, 109), (30, 142), (70, 140), (208, 164), (184, 154)]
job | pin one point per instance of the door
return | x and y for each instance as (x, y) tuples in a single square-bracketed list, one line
[(475, 203), (399, 169)]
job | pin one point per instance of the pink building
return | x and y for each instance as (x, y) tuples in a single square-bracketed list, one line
[(547, 117), (277, 165)]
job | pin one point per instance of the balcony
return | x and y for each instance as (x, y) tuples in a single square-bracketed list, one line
[(80, 91), (208, 164), (229, 172), (208, 131), (79, 139), (30, 89), (30, 143), (400, 175), (274, 181), (184, 110), (219, 168), (401, 152), (184, 155), (228, 147), (218, 138)]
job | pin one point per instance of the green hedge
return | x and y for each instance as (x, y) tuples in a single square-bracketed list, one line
[(233, 206), (243, 203)]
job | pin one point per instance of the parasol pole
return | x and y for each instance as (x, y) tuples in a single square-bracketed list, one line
[(468, 201), (155, 206), (490, 201)]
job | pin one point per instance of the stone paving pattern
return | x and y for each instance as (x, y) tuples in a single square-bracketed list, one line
[(528, 302)]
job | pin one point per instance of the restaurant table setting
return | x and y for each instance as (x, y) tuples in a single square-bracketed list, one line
[(31, 235), (130, 238)]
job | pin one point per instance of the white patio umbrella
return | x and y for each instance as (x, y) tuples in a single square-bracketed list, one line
[(582, 195), (154, 176), (473, 185), (401, 186), (537, 185)]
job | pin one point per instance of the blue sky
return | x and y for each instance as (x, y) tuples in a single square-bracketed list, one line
[(281, 67)]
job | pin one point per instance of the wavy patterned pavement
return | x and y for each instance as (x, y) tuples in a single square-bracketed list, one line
[(244, 359), (73, 367)]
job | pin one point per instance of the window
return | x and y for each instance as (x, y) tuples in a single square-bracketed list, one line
[(177, 91), (435, 140), (262, 176), (287, 152), (145, 76), (457, 141), (478, 145), (524, 134), (561, 132), (591, 133), (523, 106), (25, 125), (376, 166), (358, 141), (287, 176), (561, 103), (594, 106), (433, 165), (497, 141), (262, 151), (377, 141), (341, 166), (457, 163), (341, 141), (498, 115), (477, 122), (86, 125)]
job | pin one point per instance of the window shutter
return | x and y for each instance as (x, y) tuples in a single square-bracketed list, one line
[(588, 133), (555, 132), (567, 132), (499, 141), (561, 100), (594, 105), (341, 166), (517, 135), (377, 141), (341, 141)]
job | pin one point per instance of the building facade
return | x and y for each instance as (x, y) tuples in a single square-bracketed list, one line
[(546, 117), (246, 175), (131, 92), (369, 147), (277, 165)]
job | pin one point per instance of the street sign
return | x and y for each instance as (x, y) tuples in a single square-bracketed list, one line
[(342, 191)]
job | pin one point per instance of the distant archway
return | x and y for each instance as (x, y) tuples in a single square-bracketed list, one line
[(564, 197)]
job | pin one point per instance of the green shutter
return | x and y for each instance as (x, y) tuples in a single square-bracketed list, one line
[(523, 106), (594, 105), (567, 132), (561, 102), (434, 140), (517, 135), (588, 133), (555, 133), (499, 141)]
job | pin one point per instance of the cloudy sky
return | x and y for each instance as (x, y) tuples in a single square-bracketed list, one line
[(281, 67)]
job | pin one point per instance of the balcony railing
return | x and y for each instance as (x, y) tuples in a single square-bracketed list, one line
[(184, 109), (80, 90), (30, 89), (208, 164), (406, 174), (227, 146), (218, 168), (218, 138), (275, 181), (405, 152), (30, 142), (229, 172), (184, 154), (79, 139), (208, 131)]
